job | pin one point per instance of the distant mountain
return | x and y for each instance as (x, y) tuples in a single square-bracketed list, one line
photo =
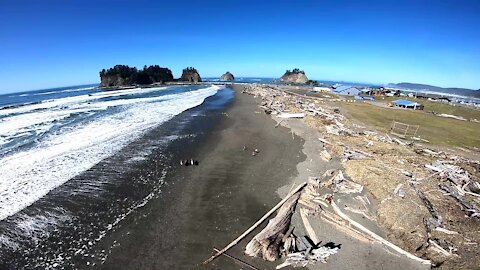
[(425, 87)]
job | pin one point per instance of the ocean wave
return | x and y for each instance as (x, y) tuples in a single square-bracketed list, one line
[(61, 102), (31, 174)]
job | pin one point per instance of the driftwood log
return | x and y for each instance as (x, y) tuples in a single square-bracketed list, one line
[(295, 192), (436, 219), (468, 207), (267, 243)]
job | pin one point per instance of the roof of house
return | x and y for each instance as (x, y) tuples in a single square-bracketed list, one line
[(404, 102), (347, 89)]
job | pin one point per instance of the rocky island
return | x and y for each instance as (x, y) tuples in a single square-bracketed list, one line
[(227, 77), (294, 76), (190, 74), (123, 75)]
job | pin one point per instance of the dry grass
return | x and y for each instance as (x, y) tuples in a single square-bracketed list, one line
[(438, 130)]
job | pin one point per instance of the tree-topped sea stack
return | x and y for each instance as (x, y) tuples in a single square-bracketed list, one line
[(122, 75), (190, 74), (227, 77), (294, 76)]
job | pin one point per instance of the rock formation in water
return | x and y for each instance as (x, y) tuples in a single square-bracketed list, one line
[(227, 77), (190, 74), (122, 75), (294, 76)]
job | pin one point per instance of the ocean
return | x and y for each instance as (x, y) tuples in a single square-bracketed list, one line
[(76, 161)]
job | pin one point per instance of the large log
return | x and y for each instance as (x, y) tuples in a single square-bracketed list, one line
[(260, 221), (267, 243)]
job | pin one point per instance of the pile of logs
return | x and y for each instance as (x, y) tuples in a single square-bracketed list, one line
[(459, 184)]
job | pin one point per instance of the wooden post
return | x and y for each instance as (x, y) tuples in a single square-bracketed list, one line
[(254, 226)]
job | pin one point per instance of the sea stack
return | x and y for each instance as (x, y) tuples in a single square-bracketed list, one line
[(190, 74), (122, 75), (227, 77), (294, 76)]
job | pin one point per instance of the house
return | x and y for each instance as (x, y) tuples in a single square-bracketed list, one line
[(347, 90), (322, 89), (402, 103)]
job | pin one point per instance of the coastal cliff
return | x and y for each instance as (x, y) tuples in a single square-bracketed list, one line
[(294, 76), (122, 75), (227, 77), (190, 74)]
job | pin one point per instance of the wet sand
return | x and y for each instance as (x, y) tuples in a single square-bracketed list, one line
[(209, 205)]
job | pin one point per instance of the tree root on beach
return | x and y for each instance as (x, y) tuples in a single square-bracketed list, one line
[(267, 243)]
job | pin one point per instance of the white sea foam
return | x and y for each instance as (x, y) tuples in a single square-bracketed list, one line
[(29, 175), (61, 102)]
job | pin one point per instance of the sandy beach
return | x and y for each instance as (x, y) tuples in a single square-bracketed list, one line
[(207, 206), (210, 205)]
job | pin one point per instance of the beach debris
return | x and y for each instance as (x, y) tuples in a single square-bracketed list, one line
[(466, 206), (237, 260), (353, 154), (436, 220), (324, 141), (308, 227), (342, 185), (244, 148), (452, 116), (375, 236), (399, 191), (266, 244), (291, 115), (188, 162), (295, 192), (303, 258), (325, 155), (339, 130), (364, 212)]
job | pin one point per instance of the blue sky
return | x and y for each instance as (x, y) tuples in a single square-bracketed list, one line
[(57, 43)]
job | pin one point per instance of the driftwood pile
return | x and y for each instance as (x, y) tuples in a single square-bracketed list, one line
[(280, 102), (459, 184)]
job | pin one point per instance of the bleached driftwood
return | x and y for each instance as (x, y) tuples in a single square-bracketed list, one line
[(344, 226), (343, 185), (291, 115), (260, 221), (266, 244), (325, 155), (436, 219), (308, 227), (468, 207), (303, 258), (375, 236)]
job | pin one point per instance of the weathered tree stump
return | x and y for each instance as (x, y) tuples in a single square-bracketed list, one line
[(267, 243)]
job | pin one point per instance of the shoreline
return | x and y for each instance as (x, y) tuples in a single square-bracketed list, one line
[(207, 206), (396, 182)]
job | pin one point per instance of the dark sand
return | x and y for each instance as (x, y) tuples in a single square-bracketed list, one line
[(210, 205)]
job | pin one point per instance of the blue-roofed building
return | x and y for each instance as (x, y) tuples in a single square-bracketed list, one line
[(347, 90), (402, 103)]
